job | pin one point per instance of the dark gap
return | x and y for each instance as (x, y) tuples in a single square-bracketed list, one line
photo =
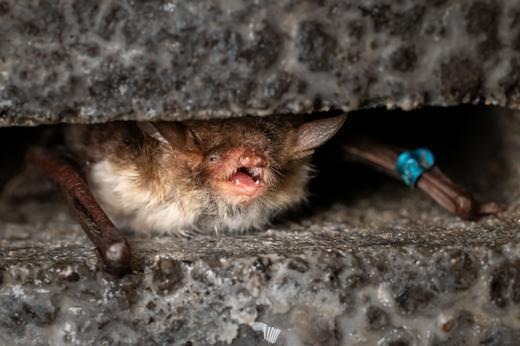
[(14, 142), (466, 140)]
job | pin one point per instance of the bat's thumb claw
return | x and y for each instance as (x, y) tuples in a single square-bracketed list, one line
[(117, 258), (490, 208)]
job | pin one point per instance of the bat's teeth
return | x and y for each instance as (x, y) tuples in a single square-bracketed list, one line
[(257, 182), (256, 172)]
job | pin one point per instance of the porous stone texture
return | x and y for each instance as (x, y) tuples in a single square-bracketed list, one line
[(92, 61), (382, 265)]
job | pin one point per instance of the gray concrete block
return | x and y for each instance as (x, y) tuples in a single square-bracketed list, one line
[(383, 266), (98, 61)]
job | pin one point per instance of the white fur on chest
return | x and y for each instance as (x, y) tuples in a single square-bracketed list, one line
[(129, 204)]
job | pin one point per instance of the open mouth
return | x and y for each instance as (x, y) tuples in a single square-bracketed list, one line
[(248, 180)]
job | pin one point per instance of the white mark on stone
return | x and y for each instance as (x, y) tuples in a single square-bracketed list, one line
[(384, 295), (87, 111), (6, 103), (270, 333), (18, 291), (169, 7), (75, 310)]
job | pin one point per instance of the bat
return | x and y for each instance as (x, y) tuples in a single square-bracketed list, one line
[(230, 175)]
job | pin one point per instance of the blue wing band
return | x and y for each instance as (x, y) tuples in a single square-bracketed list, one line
[(412, 164)]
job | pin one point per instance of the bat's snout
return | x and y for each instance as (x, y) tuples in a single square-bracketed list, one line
[(246, 174), (247, 157), (252, 160)]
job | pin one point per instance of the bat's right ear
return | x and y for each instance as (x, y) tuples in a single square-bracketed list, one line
[(171, 133), (314, 133)]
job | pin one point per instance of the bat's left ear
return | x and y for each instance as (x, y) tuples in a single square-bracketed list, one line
[(175, 134), (314, 133), (151, 130)]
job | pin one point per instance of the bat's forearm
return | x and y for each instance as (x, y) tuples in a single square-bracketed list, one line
[(111, 244), (433, 182)]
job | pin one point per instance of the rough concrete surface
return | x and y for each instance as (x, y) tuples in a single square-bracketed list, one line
[(381, 266), (86, 61)]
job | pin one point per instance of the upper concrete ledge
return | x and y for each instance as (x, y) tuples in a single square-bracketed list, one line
[(93, 61)]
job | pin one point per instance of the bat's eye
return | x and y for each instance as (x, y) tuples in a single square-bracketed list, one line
[(213, 158)]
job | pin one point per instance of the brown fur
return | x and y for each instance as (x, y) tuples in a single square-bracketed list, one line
[(181, 180)]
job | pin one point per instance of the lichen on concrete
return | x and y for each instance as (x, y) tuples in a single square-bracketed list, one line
[(95, 61)]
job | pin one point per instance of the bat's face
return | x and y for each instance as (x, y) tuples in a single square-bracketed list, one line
[(240, 161), (238, 174)]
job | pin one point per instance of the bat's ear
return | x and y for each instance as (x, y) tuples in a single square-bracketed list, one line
[(314, 133), (173, 133)]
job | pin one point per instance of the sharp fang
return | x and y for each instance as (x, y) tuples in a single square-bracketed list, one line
[(257, 182)]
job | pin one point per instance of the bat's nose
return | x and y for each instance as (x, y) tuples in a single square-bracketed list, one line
[(249, 158)]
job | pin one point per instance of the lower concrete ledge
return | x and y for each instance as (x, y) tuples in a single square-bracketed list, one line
[(384, 266), (413, 282)]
